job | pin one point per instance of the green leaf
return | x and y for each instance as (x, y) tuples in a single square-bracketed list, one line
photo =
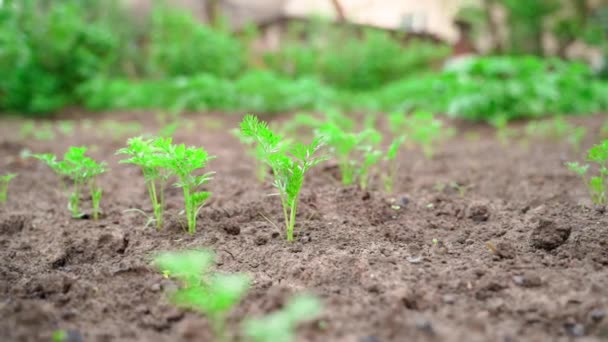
[(187, 266), (281, 325)]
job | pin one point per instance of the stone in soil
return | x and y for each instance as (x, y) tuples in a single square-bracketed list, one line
[(548, 235)]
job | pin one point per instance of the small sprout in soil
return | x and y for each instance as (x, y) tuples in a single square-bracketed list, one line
[(146, 154), (4, 180), (281, 325), (556, 129), (356, 152), (504, 133), (596, 185), (82, 171), (391, 158), (421, 129), (66, 127), (289, 163), (43, 132), (168, 130), (210, 293), (59, 336), (184, 162), (118, 130)]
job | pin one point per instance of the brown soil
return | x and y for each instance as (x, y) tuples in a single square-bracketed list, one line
[(520, 256)]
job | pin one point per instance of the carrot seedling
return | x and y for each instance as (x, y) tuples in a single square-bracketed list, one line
[(209, 293), (255, 151), (356, 152), (82, 171), (596, 185), (421, 129), (281, 325), (153, 163), (289, 163), (184, 162), (4, 180), (393, 164)]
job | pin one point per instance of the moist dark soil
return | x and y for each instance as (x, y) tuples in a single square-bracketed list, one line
[(519, 254)]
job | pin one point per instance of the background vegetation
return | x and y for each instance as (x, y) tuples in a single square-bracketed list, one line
[(55, 54)]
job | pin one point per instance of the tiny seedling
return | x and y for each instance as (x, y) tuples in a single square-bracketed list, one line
[(393, 165), (504, 133), (59, 336), (356, 152), (43, 132), (4, 180), (146, 154), (596, 185), (281, 325), (82, 171), (66, 127), (117, 130), (289, 163), (184, 162), (556, 129), (210, 293), (421, 129)]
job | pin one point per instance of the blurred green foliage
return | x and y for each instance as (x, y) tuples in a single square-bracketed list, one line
[(348, 60), (55, 54), (180, 45)]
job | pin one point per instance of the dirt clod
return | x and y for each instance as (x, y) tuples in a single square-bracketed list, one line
[(478, 212), (232, 229), (13, 223), (548, 235), (575, 329)]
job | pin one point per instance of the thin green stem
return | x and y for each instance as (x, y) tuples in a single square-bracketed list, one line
[(3, 192), (96, 194), (189, 210), (292, 219), (75, 200)]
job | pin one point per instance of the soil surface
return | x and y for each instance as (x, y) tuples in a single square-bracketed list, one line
[(519, 254)]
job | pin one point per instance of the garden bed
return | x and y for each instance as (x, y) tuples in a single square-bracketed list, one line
[(515, 252)]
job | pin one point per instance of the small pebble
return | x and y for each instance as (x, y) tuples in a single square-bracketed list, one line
[(73, 336), (260, 240), (424, 325), (575, 329), (597, 315), (403, 201), (369, 338), (448, 299), (527, 280), (415, 259), (155, 287)]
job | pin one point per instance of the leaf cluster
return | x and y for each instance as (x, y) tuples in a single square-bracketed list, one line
[(597, 184), (288, 161)]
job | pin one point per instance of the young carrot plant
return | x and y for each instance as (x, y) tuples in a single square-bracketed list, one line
[(4, 180), (356, 152), (393, 165), (556, 129), (289, 163), (596, 185), (153, 163), (281, 325), (83, 172), (421, 129), (184, 162), (210, 293)]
